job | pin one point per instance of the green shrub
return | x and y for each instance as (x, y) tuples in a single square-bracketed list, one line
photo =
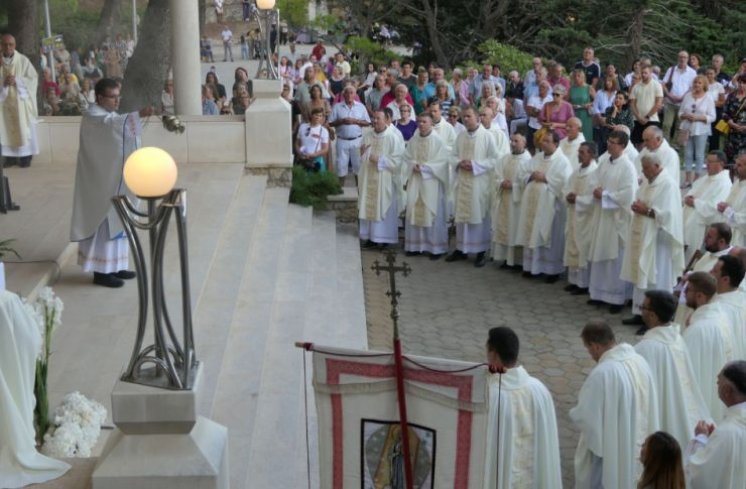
[(508, 57), (312, 189)]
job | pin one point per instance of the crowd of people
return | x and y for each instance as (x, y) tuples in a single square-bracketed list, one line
[(582, 176)]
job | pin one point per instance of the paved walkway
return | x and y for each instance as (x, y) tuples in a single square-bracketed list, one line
[(447, 308)]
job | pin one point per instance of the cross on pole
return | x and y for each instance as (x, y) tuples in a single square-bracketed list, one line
[(392, 269)]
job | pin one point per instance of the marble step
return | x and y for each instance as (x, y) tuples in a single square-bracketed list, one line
[(235, 396)]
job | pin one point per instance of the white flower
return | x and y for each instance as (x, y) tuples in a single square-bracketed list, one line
[(77, 427)]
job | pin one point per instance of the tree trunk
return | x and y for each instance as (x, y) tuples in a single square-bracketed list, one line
[(148, 67), (23, 24), (108, 20)]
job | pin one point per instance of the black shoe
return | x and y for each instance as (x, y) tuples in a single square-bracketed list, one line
[(107, 280), (550, 279), (505, 266), (456, 255), (527, 275), (641, 331), (481, 260), (24, 161), (412, 253), (594, 302), (125, 274), (10, 162), (517, 268), (368, 244), (580, 291), (570, 288), (615, 308), (434, 256), (635, 320)]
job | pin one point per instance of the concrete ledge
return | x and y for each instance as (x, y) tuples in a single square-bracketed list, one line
[(277, 175), (345, 204)]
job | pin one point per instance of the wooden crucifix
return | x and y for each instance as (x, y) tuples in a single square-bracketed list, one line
[(392, 269)]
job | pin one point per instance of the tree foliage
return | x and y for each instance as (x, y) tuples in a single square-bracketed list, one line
[(295, 12)]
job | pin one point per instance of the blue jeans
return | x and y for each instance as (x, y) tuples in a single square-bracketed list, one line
[(694, 153)]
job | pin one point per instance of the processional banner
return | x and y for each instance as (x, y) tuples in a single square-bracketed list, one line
[(358, 420)]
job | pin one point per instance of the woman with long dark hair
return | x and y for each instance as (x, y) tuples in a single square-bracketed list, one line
[(662, 463)]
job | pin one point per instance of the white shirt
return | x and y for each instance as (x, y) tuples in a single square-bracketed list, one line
[(537, 102), (644, 95), (681, 80), (701, 106), (227, 35), (344, 111), (312, 139)]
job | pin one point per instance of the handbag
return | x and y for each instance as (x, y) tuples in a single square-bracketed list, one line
[(722, 125)]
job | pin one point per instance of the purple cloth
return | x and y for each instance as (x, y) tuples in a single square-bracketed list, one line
[(407, 130), (560, 116)]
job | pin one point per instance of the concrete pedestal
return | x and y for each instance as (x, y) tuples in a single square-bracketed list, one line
[(269, 139), (161, 443)]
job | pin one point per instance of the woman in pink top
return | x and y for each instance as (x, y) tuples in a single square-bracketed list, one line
[(556, 113)]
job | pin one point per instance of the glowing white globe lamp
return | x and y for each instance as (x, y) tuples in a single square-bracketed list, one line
[(150, 172), (265, 4)]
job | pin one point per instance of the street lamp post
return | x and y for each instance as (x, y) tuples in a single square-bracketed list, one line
[(266, 10)]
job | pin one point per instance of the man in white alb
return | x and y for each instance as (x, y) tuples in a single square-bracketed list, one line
[(542, 219), (18, 82), (506, 204), (473, 159), (729, 273), (106, 140), (441, 126), (655, 145), (700, 202), (380, 183), (613, 197), (716, 455), (708, 337), (733, 209), (426, 169), (654, 255), (617, 409), (578, 228), (527, 422), (679, 399), (571, 143), (487, 118)]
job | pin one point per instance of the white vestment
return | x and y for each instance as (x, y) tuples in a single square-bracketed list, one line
[(704, 264), (610, 225), (654, 255), (570, 149), (578, 227), (707, 191), (528, 444), (20, 343), (446, 132), (501, 141), (680, 401), (735, 215), (506, 207), (720, 463), (106, 140), (18, 111), (425, 226), (617, 409), (379, 186), (668, 157), (733, 305), (472, 190), (542, 218), (709, 339)]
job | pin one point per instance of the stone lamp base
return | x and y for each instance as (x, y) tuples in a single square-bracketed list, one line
[(160, 442)]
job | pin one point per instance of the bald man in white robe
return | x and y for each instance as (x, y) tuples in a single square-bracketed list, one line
[(570, 144), (654, 144), (733, 209)]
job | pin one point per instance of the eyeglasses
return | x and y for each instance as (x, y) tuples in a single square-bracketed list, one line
[(556, 94)]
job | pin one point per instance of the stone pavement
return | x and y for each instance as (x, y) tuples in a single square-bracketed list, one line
[(446, 310)]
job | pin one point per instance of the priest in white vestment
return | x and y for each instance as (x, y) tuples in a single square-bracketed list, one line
[(578, 227), (442, 127), (506, 204), (570, 144), (18, 113), (379, 183), (426, 161), (708, 337), (700, 202), (524, 452), (733, 209), (729, 273), (717, 244), (20, 344), (654, 255), (106, 140), (717, 453), (654, 144), (617, 409), (473, 159), (542, 220), (486, 116), (680, 400), (612, 214)]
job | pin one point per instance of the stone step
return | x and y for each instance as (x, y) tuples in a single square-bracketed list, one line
[(216, 302), (235, 397), (277, 428)]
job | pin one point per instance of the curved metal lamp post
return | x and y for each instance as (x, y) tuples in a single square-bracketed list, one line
[(266, 13), (167, 363)]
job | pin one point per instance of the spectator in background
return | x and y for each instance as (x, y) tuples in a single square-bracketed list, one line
[(589, 65), (167, 98), (219, 89), (227, 36), (209, 107), (662, 466), (405, 124)]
